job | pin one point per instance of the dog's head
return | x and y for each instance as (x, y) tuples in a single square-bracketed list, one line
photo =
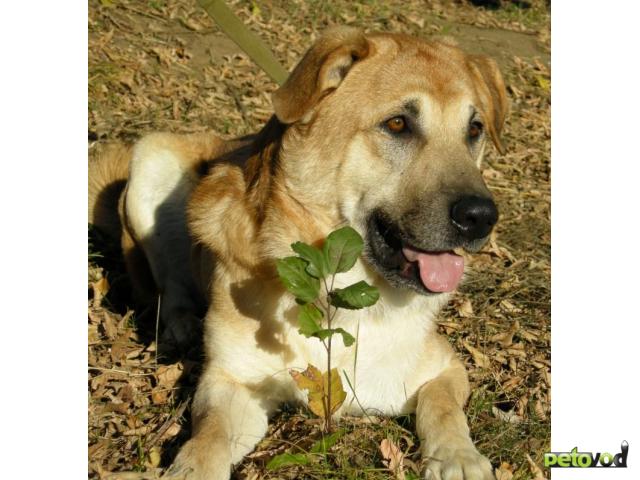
[(389, 132)]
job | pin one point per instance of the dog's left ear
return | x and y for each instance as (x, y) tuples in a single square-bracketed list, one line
[(493, 95), (320, 71)]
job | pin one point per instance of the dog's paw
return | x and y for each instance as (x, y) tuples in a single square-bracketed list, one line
[(458, 463), (201, 458)]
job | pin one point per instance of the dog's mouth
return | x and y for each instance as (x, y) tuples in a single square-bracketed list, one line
[(405, 265)]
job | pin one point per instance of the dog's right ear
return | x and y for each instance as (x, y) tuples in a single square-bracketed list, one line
[(319, 72)]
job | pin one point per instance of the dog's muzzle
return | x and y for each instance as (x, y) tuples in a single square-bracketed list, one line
[(422, 250), (474, 217)]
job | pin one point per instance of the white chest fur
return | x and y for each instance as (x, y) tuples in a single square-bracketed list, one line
[(394, 355)]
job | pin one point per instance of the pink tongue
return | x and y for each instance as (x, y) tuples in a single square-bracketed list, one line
[(439, 272)]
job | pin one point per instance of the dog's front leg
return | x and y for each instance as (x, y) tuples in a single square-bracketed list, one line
[(443, 430), (228, 421)]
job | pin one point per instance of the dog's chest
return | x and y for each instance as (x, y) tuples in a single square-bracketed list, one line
[(382, 372)]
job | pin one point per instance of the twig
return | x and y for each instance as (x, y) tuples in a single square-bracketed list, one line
[(157, 324), (123, 372), (165, 426)]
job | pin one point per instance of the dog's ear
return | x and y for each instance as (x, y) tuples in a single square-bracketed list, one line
[(319, 72), (493, 95)]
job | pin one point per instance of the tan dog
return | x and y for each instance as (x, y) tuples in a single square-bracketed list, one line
[(381, 132)]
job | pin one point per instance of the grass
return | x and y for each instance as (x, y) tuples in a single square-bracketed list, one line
[(138, 408)]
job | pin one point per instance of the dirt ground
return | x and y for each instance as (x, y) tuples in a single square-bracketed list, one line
[(165, 65)]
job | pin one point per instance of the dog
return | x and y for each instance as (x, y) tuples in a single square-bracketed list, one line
[(382, 132)]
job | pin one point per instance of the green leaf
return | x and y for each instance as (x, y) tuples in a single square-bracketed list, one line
[(317, 262), (347, 338), (286, 459), (354, 297), (341, 249), (326, 442), (308, 319), (293, 274)]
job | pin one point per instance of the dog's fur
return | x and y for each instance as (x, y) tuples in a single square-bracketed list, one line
[(195, 202)]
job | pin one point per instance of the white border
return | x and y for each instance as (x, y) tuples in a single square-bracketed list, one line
[(595, 232), (43, 275)]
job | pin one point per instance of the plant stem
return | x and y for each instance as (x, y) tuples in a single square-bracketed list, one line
[(328, 416), (327, 346)]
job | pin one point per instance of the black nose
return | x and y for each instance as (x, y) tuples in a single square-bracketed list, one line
[(474, 217)]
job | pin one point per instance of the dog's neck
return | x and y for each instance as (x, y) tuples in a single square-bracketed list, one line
[(261, 167)]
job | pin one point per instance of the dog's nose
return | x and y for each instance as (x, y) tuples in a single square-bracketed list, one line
[(474, 217)]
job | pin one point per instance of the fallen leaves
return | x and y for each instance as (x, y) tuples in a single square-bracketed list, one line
[(465, 309), (125, 387), (168, 375), (479, 358), (393, 458), (318, 388), (504, 471), (505, 339), (536, 471)]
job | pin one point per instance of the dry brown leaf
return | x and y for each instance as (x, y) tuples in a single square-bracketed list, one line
[(109, 324), (517, 350), (479, 358), (118, 350), (506, 338), (316, 383), (393, 458), (172, 431), (100, 288), (497, 250), (168, 375), (492, 174), (127, 393), (546, 376), (148, 475), (540, 410), (93, 335), (95, 273), (159, 396), (499, 356), (504, 471), (416, 20), (138, 432), (465, 310), (133, 421), (535, 469), (451, 327), (117, 406), (98, 381), (511, 383), (509, 307), (164, 55)]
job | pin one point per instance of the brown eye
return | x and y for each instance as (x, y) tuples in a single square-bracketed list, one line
[(396, 124), (475, 130)]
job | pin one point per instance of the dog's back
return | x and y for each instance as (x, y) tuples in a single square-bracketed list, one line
[(108, 171)]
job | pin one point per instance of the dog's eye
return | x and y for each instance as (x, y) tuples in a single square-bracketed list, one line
[(397, 125), (475, 129)]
